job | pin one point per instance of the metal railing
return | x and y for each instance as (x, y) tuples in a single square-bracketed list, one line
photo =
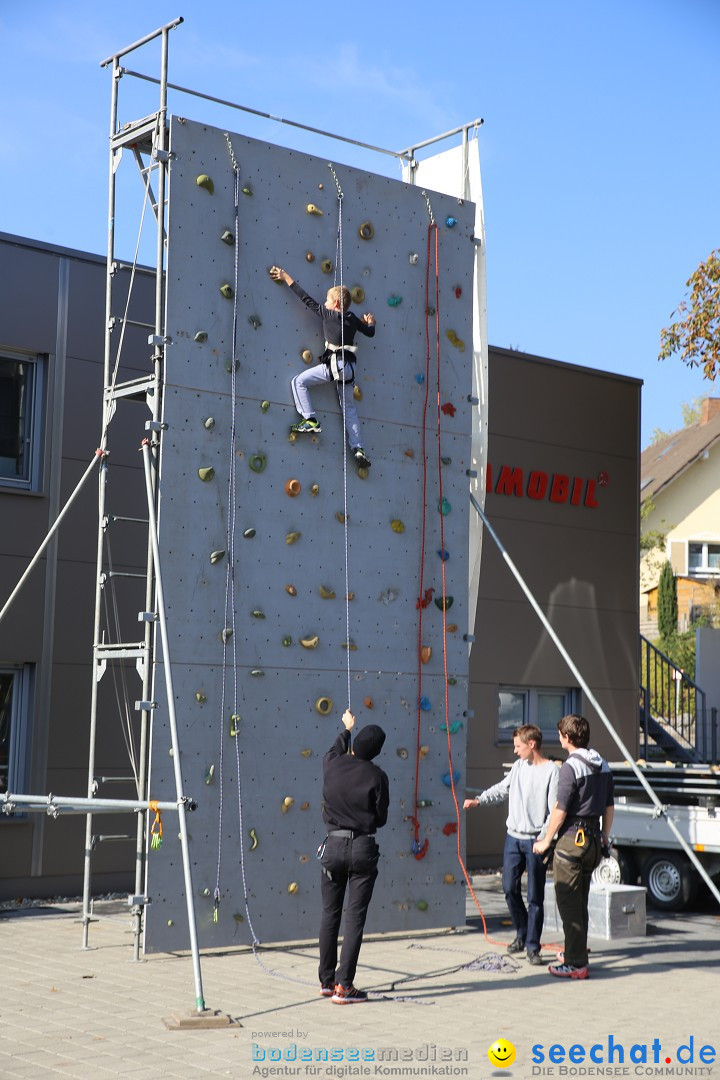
[(671, 702)]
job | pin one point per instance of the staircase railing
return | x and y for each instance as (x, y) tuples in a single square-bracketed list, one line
[(673, 700)]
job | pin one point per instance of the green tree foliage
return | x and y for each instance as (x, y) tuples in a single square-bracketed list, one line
[(667, 604), (696, 333), (652, 538)]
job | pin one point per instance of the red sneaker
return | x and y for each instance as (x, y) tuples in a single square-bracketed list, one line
[(569, 971), (348, 995)]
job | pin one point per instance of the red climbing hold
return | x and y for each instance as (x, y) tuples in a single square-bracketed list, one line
[(450, 828), (422, 602), (448, 408)]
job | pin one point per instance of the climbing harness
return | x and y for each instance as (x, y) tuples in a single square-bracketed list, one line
[(156, 829)]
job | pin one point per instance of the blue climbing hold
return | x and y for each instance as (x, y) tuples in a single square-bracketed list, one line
[(446, 778), (419, 378), (425, 704), (444, 555), (444, 506), (451, 222)]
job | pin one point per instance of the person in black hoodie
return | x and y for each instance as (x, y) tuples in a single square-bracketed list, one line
[(582, 818), (355, 804)]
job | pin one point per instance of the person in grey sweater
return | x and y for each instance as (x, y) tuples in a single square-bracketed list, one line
[(531, 790)]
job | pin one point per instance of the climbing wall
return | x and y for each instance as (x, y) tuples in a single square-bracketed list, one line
[(259, 657)]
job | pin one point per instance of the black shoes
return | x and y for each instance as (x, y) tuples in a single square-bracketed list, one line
[(534, 957), (516, 946)]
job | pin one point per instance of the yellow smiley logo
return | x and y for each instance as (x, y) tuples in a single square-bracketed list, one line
[(501, 1053)]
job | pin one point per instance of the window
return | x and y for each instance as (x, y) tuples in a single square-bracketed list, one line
[(703, 558), (20, 424), (15, 695), (542, 706)]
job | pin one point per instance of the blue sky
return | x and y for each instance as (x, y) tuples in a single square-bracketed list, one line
[(600, 151)]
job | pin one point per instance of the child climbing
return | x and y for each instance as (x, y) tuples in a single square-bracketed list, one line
[(337, 362)]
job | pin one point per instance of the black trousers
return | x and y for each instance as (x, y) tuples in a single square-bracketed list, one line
[(573, 867), (352, 866)]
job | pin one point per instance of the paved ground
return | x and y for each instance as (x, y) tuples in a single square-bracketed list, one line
[(443, 999)]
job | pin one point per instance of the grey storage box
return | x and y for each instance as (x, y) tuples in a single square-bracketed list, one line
[(615, 911)]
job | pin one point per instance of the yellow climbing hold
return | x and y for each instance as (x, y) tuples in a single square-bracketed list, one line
[(287, 802), (324, 705), (291, 590), (314, 489), (341, 517), (247, 190), (307, 356), (254, 838), (455, 340), (366, 231), (397, 526), (425, 653), (306, 752), (293, 887), (227, 291), (311, 208), (357, 294), (204, 181), (234, 724), (449, 879), (327, 266), (206, 473), (424, 751), (292, 537), (363, 473), (264, 406), (327, 594), (357, 392), (305, 806), (216, 556), (310, 642)]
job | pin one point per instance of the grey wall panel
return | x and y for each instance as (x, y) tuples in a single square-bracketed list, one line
[(281, 736), (26, 276)]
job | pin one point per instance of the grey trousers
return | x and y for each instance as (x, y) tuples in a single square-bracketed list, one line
[(316, 376)]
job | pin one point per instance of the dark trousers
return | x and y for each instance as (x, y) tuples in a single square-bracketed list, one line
[(572, 869), (352, 865), (528, 921)]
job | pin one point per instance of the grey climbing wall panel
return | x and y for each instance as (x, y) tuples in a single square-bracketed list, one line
[(259, 790)]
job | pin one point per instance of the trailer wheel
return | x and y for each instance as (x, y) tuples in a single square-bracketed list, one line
[(615, 869), (670, 880)]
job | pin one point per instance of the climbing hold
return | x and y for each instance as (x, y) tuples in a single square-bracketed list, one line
[(249, 533), (456, 726), (458, 292), (205, 892), (234, 724), (287, 802), (366, 231), (287, 640), (357, 392), (309, 256), (314, 490), (452, 628), (368, 702), (425, 704), (257, 462), (304, 858), (444, 506), (327, 594), (307, 752), (231, 365), (257, 672), (310, 643), (225, 635), (394, 301), (423, 601), (254, 321), (455, 340), (425, 653), (292, 488), (451, 222), (397, 526), (422, 803), (305, 806), (414, 258), (446, 460), (216, 556), (204, 181), (291, 590), (350, 645), (209, 423), (200, 697), (209, 774), (311, 208), (264, 406), (446, 778), (200, 336), (307, 356), (449, 879), (363, 472), (410, 454), (293, 887), (389, 596), (401, 752), (424, 751), (324, 705), (206, 473), (452, 680), (357, 294), (444, 602), (254, 837), (171, 922), (430, 311), (292, 537), (350, 596), (327, 266), (258, 614), (420, 378), (341, 517), (421, 905), (444, 555), (422, 852), (247, 190), (228, 237), (448, 408), (227, 291), (450, 828)]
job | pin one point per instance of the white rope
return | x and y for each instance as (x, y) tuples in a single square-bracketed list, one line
[(339, 265)]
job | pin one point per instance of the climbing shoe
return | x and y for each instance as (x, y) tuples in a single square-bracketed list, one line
[(361, 458), (567, 971), (348, 995), (307, 425)]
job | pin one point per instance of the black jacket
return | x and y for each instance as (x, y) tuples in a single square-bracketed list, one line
[(356, 793), (331, 320)]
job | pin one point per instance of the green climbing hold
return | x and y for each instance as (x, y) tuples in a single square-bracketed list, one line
[(209, 423), (264, 406), (249, 533), (201, 336), (206, 473), (200, 697), (421, 905), (247, 190), (444, 506), (225, 634), (326, 266), (216, 556), (287, 640), (234, 724), (254, 837), (444, 602), (227, 291), (394, 301), (258, 614), (204, 181), (209, 775), (257, 462)]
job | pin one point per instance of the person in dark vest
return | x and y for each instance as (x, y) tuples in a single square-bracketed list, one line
[(582, 818), (355, 805)]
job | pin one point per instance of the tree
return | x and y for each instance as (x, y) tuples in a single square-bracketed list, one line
[(696, 335), (667, 604)]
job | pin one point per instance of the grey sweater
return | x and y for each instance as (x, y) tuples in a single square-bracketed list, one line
[(531, 791)]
